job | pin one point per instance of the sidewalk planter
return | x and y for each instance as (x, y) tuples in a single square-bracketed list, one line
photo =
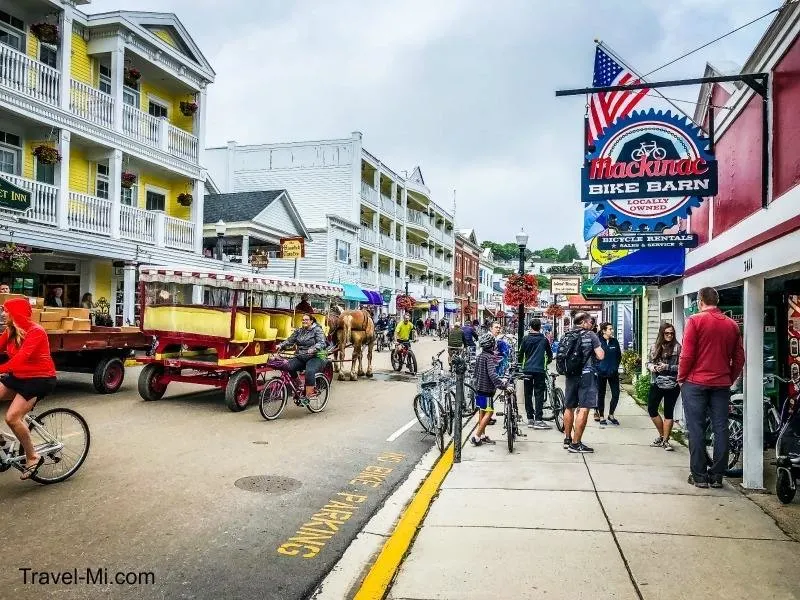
[(47, 155), (127, 180), (188, 108), (131, 77), (47, 33), (185, 199)]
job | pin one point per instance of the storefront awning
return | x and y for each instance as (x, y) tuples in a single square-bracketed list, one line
[(578, 302), (353, 292), (600, 291), (373, 297), (649, 266)]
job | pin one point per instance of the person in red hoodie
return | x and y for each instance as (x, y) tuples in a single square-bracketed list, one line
[(29, 373), (712, 358)]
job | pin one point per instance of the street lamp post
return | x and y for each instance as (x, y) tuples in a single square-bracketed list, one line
[(522, 243), (220, 228)]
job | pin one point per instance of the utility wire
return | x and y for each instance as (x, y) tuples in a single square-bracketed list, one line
[(681, 57)]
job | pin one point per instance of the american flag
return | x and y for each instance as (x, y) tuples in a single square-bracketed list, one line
[(607, 107)]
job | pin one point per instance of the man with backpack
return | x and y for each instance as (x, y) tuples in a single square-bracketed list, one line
[(577, 352)]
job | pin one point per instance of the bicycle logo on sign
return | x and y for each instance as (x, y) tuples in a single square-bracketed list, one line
[(647, 150)]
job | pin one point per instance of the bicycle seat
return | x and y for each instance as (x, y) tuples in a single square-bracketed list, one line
[(428, 385)]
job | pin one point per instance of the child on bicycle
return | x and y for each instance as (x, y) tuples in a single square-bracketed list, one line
[(486, 384)]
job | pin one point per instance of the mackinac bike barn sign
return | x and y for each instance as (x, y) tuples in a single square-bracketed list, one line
[(648, 170)]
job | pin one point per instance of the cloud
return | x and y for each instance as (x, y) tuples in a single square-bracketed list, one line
[(463, 88)]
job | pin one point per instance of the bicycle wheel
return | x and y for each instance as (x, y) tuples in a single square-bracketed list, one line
[(441, 426), (67, 428), (735, 440), (397, 364), (273, 399), (423, 411), (510, 423), (450, 403), (558, 408), (469, 400), (322, 389), (411, 361)]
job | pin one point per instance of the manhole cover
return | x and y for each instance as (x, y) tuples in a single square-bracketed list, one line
[(267, 484)]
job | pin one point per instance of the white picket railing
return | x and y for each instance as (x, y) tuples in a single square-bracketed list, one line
[(387, 243), (369, 193), (416, 217), (400, 248), (387, 204), (368, 236), (387, 281), (91, 104), (368, 277), (178, 233), (140, 125), (89, 213), (137, 224), (28, 76), (44, 199), (414, 251), (183, 144)]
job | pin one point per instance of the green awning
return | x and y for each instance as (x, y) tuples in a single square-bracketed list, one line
[(609, 291), (353, 292)]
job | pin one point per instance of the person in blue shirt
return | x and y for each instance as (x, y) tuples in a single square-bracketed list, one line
[(503, 350), (470, 334), (608, 375)]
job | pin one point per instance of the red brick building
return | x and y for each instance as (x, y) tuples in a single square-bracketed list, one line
[(465, 280)]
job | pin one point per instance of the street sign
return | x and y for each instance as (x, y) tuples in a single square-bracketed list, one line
[(647, 240), (293, 247), (386, 295), (565, 284), (13, 197)]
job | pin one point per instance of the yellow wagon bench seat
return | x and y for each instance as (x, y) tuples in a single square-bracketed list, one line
[(197, 320)]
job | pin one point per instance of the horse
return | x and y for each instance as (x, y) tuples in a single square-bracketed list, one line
[(358, 328)]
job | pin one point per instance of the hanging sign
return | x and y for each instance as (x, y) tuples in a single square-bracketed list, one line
[(649, 168), (13, 197), (603, 255), (614, 243), (565, 285), (293, 247)]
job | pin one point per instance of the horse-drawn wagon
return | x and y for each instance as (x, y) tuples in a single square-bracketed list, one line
[(220, 329)]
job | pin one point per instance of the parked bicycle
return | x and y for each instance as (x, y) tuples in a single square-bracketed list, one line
[(787, 448), (428, 409), (402, 354), (553, 406), (275, 395), (510, 414), (60, 435)]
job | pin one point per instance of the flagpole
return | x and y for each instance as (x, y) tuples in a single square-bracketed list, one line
[(611, 51)]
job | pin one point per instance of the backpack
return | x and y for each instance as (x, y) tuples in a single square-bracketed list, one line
[(569, 358)]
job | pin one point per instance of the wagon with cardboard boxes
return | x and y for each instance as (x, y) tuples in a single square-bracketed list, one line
[(220, 329), (77, 346)]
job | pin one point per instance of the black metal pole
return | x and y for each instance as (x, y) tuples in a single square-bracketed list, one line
[(458, 365), (521, 309)]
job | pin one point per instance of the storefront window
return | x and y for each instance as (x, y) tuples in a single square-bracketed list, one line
[(167, 294)]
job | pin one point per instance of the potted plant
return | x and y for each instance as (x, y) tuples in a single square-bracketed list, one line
[(440, 221), (127, 179), (440, 251), (449, 227), (46, 33), (449, 254), (188, 108), (46, 155), (131, 76), (439, 278), (424, 244), (449, 282), (185, 199), (14, 258), (521, 289)]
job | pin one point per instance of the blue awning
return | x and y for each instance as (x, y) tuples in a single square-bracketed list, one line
[(649, 266), (373, 297), (353, 292)]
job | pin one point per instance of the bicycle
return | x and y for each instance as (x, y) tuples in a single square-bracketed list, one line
[(553, 408), (647, 150), (275, 395), (510, 414), (60, 435), (381, 341), (428, 409), (402, 354)]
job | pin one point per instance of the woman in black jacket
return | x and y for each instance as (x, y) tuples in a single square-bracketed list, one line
[(608, 375)]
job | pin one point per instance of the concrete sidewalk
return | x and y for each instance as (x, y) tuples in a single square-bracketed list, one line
[(621, 523)]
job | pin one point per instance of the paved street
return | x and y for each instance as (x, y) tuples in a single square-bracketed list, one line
[(157, 492)]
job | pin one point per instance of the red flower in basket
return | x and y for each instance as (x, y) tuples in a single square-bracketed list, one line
[(128, 179), (521, 289)]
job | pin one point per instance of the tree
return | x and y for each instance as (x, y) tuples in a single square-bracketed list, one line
[(568, 253), (573, 269), (546, 254), (505, 252), (544, 282)]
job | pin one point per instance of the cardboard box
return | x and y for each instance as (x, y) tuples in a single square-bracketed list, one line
[(50, 316), (4, 297), (129, 329), (52, 326), (36, 315), (39, 302), (81, 325), (79, 313), (68, 324)]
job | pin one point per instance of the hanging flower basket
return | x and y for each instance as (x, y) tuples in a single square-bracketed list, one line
[(185, 199), (46, 155), (424, 244), (554, 311), (440, 221), (127, 180), (449, 227), (14, 258), (188, 108), (521, 289), (449, 255), (46, 33), (405, 303), (448, 282), (439, 278), (131, 76), (440, 251)]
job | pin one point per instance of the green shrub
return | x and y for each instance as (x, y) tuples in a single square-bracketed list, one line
[(642, 388), (631, 362)]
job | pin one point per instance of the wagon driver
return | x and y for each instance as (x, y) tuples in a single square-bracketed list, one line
[(309, 342)]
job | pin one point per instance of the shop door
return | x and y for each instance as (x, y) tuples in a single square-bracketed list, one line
[(71, 284)]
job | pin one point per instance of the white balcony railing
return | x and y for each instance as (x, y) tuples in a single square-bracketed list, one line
[(140, 125), (387, 243), (28, 76), (368, 277), (399, 248), (368, 236), (91, 104), (137, 224), (387, 280), (44, 198), (369, 193), (387, 204), (418, 252), (417, 217), (183, 144), (89, 213), (178, 233)]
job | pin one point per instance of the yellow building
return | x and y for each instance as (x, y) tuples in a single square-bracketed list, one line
[(120, 97)]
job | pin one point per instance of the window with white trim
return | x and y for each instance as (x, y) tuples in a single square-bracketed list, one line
[(157, 109), (101, 184), (156, 201), (10, 152), (12, 31), (48, 54), (342, 251), (45, 173), (105, 79), (130, 96), (130, 196)]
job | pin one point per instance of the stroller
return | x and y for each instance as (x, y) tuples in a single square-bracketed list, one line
[(787, 448)]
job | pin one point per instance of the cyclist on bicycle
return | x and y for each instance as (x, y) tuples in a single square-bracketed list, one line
[(309, 342), (29, 374), (486, 384), (404, 331), (503, 350)]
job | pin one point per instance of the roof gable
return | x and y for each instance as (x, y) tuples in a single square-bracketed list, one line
[(238, 206), (416, 176), (281, 214)]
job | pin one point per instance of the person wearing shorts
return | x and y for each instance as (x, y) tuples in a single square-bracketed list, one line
[(581, 390), (486, 383)]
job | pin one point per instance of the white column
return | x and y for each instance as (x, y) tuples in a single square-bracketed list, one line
[(200, 123), (117, 82), (377, 181), (115, 190), (198, 199), (62, 208), (160, 228), (65, 55), (753, 453), (163, 134), (129, 294), (245, 249)]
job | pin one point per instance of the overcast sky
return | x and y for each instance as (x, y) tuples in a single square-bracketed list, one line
[(463, 88)]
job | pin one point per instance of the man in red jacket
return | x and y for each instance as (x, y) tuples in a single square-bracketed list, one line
[(711, 360)]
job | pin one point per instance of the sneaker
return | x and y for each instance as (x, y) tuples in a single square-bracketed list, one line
[(700, 483), (487, 440), (475, 441), (567, 443), (492, 421), (716, 482), (596, 416), (580, 448), (603, 423), (667, 446), (542, 425), (531, 423), (657, 443), (613, 420)]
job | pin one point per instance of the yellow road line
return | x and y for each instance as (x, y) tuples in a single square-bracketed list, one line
[(383, 570)]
